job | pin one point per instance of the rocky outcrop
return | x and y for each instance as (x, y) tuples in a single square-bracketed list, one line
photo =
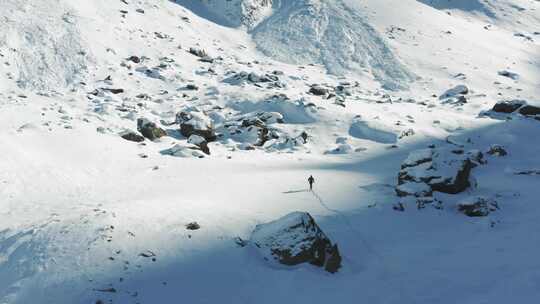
[(437, 170), (295, 239)]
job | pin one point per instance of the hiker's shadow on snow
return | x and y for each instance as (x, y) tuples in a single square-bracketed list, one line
[(296, 191)]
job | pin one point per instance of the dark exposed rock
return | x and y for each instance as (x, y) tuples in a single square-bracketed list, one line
[(114, 91), (134, 59), (198, 52), (192, 87), (132, 136), (507, 106), (193, 226), (529, 110), (295, 239), (477, 206), (318, 90), (149, 129)]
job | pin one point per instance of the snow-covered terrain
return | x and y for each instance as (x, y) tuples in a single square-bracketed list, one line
[(145, 143)]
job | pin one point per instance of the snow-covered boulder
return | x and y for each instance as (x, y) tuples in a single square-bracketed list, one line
[(456, 91), (200, 142), (183, 151), (477, 206), (196, 123), (436, 170), (149, 129), (295, 239)]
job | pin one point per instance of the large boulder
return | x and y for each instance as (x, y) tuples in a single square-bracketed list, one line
[(295, 239), (436, 170), (196, 123), (149, 129)]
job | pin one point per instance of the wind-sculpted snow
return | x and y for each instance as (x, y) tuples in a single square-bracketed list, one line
[(329, 33), (43, 40)]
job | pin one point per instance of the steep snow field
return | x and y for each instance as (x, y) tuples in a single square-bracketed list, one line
[(342, 90)]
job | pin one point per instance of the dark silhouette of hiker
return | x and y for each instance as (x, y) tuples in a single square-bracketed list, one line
[(311, 180)]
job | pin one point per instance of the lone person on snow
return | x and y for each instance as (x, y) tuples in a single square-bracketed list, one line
[(311, 180)]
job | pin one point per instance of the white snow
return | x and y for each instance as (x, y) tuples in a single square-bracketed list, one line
[(79, 204)]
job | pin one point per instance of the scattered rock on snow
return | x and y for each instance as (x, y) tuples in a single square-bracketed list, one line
[(193, 226), (295, 239), (509, 74), (477, 206), (497, 150)]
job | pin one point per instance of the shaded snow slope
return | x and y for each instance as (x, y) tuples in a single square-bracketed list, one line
[(329, 33)]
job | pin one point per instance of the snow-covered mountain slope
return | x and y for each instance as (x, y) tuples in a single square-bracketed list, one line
[(328, 33), (41, 42), (87, 215)]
